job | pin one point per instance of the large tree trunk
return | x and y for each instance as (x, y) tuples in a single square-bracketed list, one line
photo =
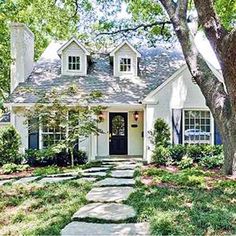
[(222, 103), (228, 131)]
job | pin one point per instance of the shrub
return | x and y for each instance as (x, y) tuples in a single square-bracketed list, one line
[(51, 156), (161, 133), (186, 162), (197, 152), (12, 167), (212, 161), (177, 152), (161, 155), (9, 145), (194, 152)]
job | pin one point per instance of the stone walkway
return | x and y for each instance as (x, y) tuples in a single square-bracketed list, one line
[(105, 207), (105, 214)]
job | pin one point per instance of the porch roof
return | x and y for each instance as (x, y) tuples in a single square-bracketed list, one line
[(156, 65)]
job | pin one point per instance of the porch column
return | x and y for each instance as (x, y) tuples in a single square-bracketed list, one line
[(93, 147), (145, 134)]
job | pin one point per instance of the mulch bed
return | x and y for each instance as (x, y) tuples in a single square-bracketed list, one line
[(149, 180), (16, 175)]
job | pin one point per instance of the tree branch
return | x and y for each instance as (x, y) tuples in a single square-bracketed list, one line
[(209, 85), (144, 26), (212, 26)]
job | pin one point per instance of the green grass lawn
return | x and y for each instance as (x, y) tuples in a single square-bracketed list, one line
[(40, 209), (186, 202)]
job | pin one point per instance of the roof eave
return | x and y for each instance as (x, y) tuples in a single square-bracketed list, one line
[(72, 39)]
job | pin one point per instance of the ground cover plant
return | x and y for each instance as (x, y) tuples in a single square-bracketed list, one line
[(35, 209), (185, 202)]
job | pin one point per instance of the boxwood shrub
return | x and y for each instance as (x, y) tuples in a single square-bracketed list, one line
[(9, 145), (177, 152)]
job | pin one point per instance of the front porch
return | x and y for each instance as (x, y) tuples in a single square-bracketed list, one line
[(122, 135)]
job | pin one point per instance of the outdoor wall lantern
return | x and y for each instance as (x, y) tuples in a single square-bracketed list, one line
[(136, 115), (100, 116)]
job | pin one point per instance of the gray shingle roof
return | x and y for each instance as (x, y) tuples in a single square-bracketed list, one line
[(156, 65)]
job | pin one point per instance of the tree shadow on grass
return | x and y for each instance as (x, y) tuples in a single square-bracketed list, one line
[(184, 211)]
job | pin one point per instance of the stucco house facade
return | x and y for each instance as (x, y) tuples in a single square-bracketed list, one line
[(138, 86)]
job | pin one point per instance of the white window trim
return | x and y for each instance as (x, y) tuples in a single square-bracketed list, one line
[(212, 134), (41, 135), (131, 65), (53, 133), (67, 63)]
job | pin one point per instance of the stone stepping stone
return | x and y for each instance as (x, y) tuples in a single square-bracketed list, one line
[(73, 174), (126, 167), (109, 166), (112, 160), (109, 194), (122, 173), (112, 212), (89, 179), (94, 174), (115, 182), (26, 180), (54, 180), (6, 181), (90, 229), (96, 169)]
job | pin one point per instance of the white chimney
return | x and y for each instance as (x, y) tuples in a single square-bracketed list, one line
[(22, 53)]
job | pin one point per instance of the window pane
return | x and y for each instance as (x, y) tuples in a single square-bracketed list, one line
[(125, 64), (118, 126), (197, 127), (74, 63)]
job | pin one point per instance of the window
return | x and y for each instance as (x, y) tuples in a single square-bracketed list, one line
[(118, 126), (197, 127), (74, 63), (52, 135), (125, 64)]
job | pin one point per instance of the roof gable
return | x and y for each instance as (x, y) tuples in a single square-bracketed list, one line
[(112, 53), (68, 43)]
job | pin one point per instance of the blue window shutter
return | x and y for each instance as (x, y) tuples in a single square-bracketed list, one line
[(177, 126), (33, 134), (217, 137)]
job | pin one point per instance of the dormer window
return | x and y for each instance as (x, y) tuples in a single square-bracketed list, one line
[(125, 60), (125, 64), (74, 58), (74, 63)]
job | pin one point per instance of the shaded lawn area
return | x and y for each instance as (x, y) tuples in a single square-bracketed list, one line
[(186, 202), (36, 209)]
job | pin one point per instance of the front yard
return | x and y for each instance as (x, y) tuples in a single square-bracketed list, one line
[(185, 202), (191, 201), (36, 209)]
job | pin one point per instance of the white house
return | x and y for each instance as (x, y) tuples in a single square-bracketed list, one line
[(138, 86)]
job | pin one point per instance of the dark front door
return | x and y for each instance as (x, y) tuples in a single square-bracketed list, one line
[(118, 136)]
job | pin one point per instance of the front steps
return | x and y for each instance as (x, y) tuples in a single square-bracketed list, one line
[(117, 158)]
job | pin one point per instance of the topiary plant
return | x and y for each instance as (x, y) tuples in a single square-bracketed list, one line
[(9, 145), (161, 133)]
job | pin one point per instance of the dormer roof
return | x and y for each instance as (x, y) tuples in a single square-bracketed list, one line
[(112, 53), (71, 40)]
